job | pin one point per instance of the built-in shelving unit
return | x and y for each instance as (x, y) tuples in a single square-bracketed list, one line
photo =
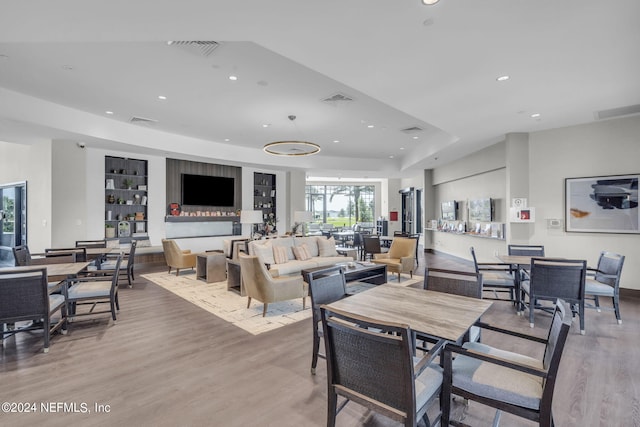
[(382, 227), (125, 199), (264, 198)]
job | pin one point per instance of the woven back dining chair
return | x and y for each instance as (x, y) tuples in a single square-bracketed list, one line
[(604, 281)]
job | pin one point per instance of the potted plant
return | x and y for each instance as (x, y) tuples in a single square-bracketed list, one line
[(127, 183), (109, 231)]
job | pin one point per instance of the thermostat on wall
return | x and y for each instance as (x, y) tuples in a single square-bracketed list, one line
[(519, 202)]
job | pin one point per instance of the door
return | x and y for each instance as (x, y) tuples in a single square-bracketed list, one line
[(13, 219)]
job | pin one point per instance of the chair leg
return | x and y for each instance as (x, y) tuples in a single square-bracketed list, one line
[(596, 301), (581, 312), (316, 349), (169, 269), (113, 309), (248, 302), (264, 309), (304, 302), (332, 406), (616, 308), (532, 307), (117, 302), (177, 272)]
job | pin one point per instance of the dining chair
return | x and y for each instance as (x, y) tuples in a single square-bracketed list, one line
[(355, 243), (515, 383), (526, 250), (24, 296), (91, 243), (128, 261), (325, 286), (497, 277), (63, 255), (371, 363), (551, 279), (463, 283), (604, 281), (370, 246), (21, 255), (94, 290)]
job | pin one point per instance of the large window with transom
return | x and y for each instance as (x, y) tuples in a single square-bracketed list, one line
[(341, 205)]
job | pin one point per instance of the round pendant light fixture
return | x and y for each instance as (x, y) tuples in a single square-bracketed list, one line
[(291, 148)]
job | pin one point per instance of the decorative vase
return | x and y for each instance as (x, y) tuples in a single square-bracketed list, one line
[(110, 232), (111, 198)]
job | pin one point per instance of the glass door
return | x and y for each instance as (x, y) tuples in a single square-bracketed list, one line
[(13, 219)]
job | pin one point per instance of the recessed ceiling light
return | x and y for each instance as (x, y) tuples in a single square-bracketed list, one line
[(429, 2), (370, 126), (535, 115), (503, 78), (335, 141), (233, 78), (266, 125), (108, 112), (391, 157), (227, 140), (162, 97), (402, 148), (416, 137)]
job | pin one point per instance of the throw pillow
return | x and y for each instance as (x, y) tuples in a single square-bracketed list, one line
[(264, 251), (302, 252), (327, 247), (280, 254)]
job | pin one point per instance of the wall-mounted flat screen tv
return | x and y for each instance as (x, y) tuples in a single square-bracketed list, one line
[(480, 210), (449, 210), (204, 190)]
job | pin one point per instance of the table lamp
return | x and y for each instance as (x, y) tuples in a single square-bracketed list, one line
[(251, 217), (303, 217)]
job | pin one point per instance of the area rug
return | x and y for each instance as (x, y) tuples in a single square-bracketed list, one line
[(231, 307)]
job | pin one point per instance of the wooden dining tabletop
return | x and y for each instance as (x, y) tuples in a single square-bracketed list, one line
[(99, 251), (516, 259), (54, 271), (434, 313)]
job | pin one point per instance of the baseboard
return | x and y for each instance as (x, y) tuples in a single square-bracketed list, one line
[(629, 293)]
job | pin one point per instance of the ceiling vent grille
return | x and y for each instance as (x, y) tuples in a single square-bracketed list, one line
[(617, 112), (338, 97), (202, 48), (142, 121), (412, 129)]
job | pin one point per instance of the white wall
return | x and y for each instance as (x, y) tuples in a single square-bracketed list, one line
[(603, 148), (31, 162)]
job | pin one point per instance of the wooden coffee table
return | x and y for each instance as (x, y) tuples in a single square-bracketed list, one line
[(375, 274)]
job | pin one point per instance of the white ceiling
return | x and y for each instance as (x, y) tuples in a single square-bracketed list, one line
[(64, 64)]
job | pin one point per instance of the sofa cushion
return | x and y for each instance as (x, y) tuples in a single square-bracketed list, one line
[(292, 267), (311, 242), (280, 254), (327, 247), (285, 242), (263, 250), (301, 252)]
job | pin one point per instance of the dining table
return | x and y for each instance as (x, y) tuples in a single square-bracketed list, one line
[(55, 272), (436, 314)]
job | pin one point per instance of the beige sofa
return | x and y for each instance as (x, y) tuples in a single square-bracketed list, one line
[(280, 253)]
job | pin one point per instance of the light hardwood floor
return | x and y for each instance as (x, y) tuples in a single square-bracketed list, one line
[(168, 363)]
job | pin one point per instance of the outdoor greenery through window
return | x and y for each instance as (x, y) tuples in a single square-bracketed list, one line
[(341, 205)]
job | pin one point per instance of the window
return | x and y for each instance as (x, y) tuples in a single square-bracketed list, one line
[(341, 205)]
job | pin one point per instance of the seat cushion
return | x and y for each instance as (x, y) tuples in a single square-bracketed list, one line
[(95, 289), (501, 279), (498, 382), (427, 384), (593, 287), (55, 301)]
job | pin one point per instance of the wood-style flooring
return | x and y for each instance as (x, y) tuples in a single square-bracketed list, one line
[(168, 363)]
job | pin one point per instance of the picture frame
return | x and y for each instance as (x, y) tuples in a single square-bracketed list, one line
[(602, 204)]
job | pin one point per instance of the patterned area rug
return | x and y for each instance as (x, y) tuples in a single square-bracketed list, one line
[(228, 305)]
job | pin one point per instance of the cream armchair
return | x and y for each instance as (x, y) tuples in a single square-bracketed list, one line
[(259, 284), (177, 258), (401, 256)]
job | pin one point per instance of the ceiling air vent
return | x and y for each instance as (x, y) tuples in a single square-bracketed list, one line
[(202, 48), (142, 121), (338, 97), (412, 129), (617, 112)]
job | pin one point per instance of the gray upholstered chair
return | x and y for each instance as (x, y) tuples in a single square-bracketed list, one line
[(22, 255), (95, 290), (552, 279), (464, 283), (401, 256), (25, 296), (510, 382), (497, 277), (128, 262), (371, 363), (176, 257), (259, 284), (604, 281), (325, 286), (526, 250)]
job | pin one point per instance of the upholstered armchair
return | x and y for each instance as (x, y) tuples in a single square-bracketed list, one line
[(177, 258), (259, 284), (401, 256)]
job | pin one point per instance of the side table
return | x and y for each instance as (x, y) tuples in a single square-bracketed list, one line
[(210, 266), (234, 277)]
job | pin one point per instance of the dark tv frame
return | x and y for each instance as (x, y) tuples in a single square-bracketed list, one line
[(215, 183)]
